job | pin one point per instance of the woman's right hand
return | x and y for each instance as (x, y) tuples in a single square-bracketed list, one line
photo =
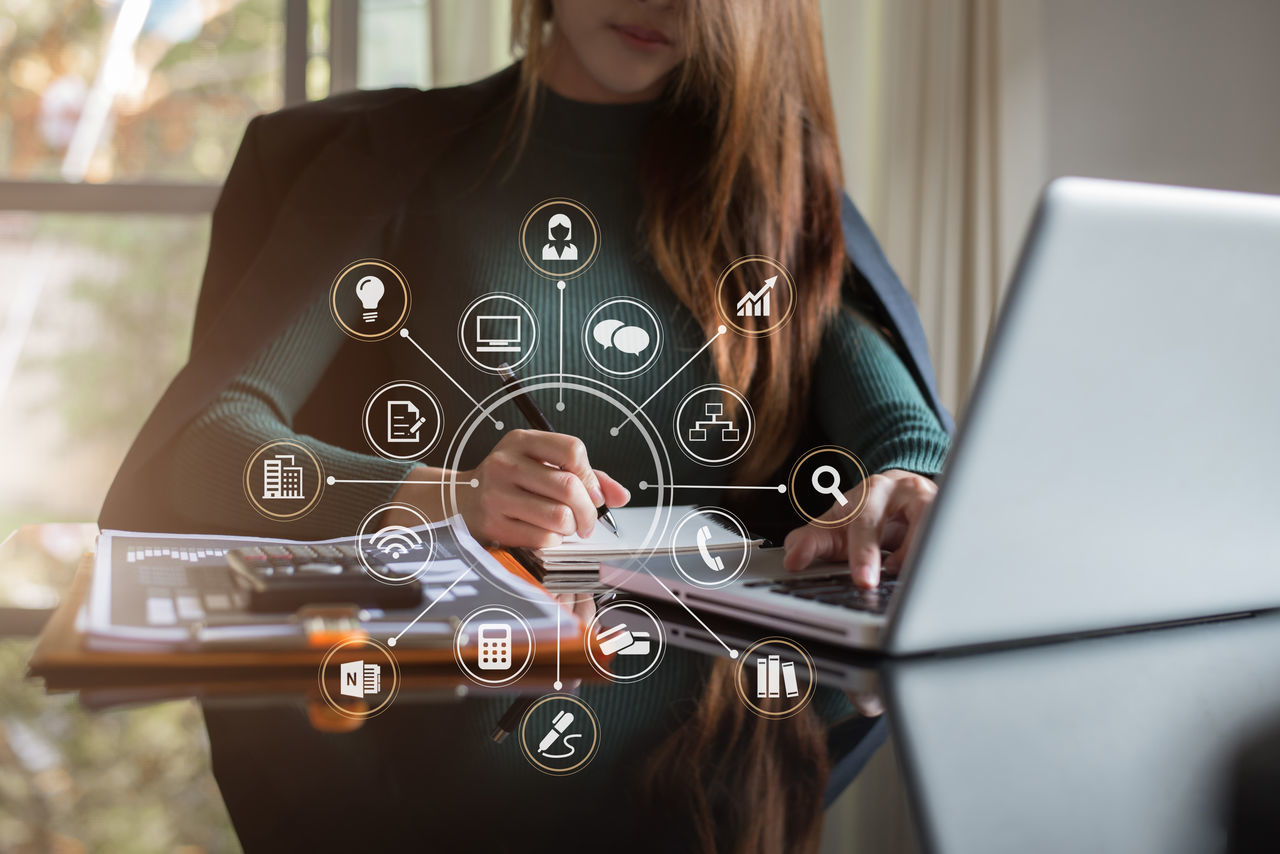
[(535, 488)]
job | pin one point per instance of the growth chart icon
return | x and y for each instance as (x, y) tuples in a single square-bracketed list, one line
[(756, 303)]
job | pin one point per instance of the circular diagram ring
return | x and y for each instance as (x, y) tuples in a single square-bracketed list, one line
[(281, 482), (416, 449), (360, 681), (595, 238), (626, 641), (367, 281), (710, 560), (853, 508), (774, 682), (612, 333), (572, 711), (761, 298), (742, 436), (395, 541)]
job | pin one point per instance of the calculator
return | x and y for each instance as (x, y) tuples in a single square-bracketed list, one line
[(495, 647), (284, 578)]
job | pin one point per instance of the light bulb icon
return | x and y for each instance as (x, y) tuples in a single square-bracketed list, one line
[(370, 290)]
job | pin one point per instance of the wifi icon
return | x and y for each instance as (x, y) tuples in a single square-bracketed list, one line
[(396, 541)]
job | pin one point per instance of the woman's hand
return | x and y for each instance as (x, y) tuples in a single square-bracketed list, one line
[(889, 521), (535, 489)]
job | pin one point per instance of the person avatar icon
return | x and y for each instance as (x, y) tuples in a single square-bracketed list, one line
[(569, 251)]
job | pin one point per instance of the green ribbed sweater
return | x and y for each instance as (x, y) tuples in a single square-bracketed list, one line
[(454, 241)]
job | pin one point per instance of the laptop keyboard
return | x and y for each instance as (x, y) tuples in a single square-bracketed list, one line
[(834, 589)]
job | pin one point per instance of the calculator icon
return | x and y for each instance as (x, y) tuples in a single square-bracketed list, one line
[(495, 647)]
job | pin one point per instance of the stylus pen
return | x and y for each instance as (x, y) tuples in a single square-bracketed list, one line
[(538, 421)]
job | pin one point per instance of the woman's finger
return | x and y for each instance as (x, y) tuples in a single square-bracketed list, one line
[(615, 494), (560, 487), (863, 533), (807, 545), (564, 452)]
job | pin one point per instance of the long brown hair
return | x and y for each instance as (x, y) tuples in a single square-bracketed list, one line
[(727, 781), (743, 161)]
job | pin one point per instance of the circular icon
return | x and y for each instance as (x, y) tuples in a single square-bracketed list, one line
[(710, 428), (369, 300), (498, 329), (394, 553), (359, 677), (283, 480), (821, 480), (493, 645), (622, 337), (644, 443), (756, 296), (775, 678), (559, 734), (402, 420), (559, 238), (630, 635), (710, 547)]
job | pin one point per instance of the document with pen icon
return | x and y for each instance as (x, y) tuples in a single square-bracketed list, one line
[(403, 421)]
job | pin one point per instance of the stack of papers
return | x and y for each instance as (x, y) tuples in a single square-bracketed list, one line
[(154, 592)]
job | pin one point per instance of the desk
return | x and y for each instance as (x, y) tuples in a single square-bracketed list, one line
[(1112, 744)]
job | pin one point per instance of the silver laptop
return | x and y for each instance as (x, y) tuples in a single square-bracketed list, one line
[(1119, 461)]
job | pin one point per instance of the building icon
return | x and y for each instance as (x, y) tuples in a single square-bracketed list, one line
[(756, 303), (279, 480), (728, 433)]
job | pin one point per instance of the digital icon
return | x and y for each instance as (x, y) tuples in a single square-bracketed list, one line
[(818, 478), (493, 645), (619, 640), (710, 547), (715, 420), (559, 238), (705, 429), (755, 296), (494, 652), (497, 333), (402, 420), (559, 245), (280, 481), (824, 487), (713, 562), (630, 631), (359, 679), (283, 479), (559, 734), (622, 336), (614, 333), (396, 541), (561, 722), (770, 671), (369, 299), (775, 677), (369, 290), (496, 329), (756, 303), (406, 551), (354, 669)]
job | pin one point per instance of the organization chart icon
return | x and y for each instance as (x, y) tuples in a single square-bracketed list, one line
[(714, 425)]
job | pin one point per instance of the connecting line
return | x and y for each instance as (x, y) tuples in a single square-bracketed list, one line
[(613, 431), (475, 481), (733, 653), (782, 487), (558, 684), (560, 403), (452, 584), (404, 333)]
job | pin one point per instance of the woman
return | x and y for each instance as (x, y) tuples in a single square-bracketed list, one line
[(697, 132)]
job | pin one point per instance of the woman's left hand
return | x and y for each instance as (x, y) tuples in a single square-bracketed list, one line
[(890, 518)]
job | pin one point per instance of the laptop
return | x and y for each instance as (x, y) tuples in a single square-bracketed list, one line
[(1118, 465)]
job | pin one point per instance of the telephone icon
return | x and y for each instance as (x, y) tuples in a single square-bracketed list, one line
[(713, 562)]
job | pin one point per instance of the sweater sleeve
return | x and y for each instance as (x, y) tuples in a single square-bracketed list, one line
[(204, 475), (865, 400)]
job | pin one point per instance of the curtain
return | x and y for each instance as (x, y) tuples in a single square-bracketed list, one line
[(940, 109)]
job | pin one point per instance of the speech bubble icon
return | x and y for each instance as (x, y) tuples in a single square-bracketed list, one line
[(603, 332), (631, 339)]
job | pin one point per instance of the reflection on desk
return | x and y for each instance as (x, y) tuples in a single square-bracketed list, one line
[(1113, 744)]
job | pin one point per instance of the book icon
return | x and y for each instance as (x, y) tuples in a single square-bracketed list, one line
[(775, 677)]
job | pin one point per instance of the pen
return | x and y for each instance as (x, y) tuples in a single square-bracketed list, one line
[(538, 421)]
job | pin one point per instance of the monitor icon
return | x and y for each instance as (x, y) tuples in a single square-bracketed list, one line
[(497, 333)]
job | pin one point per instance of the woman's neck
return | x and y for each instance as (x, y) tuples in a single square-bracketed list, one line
[(563, 73)]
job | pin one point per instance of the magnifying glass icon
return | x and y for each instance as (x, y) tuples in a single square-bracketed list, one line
[(831, 488)]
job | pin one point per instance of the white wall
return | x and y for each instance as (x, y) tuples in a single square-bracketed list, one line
[(1171, 91)]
